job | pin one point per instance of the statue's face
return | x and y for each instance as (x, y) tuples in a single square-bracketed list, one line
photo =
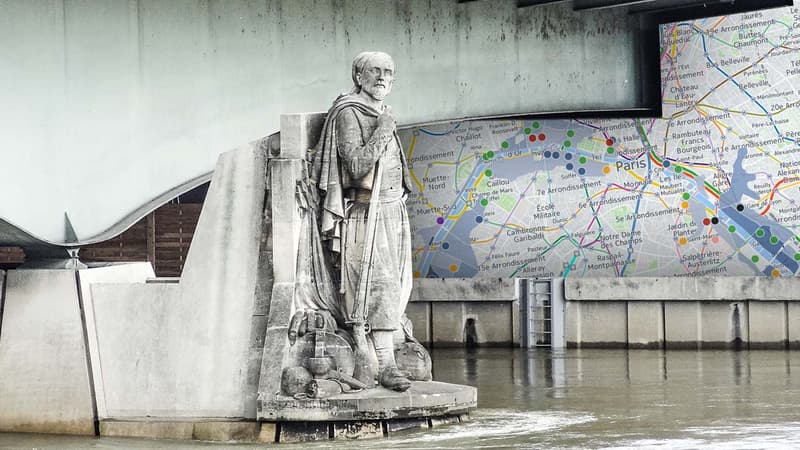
[(377, 77)]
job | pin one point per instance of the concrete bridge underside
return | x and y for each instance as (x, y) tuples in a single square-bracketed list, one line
[(116, 102)]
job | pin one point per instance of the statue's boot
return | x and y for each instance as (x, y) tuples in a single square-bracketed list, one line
[(392, 378)]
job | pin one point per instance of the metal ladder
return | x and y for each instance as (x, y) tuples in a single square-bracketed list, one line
[(538, 298)]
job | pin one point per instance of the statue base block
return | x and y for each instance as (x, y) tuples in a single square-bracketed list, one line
[(370, 413)]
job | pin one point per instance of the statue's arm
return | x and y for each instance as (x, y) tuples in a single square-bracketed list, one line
[(359, 157)]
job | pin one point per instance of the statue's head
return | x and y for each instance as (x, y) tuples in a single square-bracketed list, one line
[(373, 73)]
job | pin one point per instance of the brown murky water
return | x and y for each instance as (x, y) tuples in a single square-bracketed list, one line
[(585, 399)]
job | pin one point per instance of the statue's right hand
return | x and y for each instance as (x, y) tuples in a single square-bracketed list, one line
[(386, 119)]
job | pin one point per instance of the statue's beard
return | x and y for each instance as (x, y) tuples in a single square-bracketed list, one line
[(377, 92)]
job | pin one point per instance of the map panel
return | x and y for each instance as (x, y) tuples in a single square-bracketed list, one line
[(713, 188)]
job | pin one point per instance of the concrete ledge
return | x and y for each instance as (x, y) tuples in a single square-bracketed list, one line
[(423, 399), (682, 289), (463, 289)]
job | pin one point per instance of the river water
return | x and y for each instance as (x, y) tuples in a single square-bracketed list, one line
[(584, 399)]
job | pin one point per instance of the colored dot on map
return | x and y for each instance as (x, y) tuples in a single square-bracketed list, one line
[(490, 154), (740, 207), (754, 258), (570, 133), (440, 220), (542, 136), (484, 202), (609, 142), (667, 163), (445, 245), (581, 171), (488, 172), (527, 131), (532, 138), (760, 233), (555, 155), (682, 241), (684, 205), (479, 219), (776, 273), (504, 144), (797, 256), (568, 156), (686, 196), (715, 220), (773, 240), (453, 268), (706, 221), (610, 150), (569, 166), (607, 170), (567, 144), (547, 154), (535, 124), (582, 160), (732, 229), (678, 169)]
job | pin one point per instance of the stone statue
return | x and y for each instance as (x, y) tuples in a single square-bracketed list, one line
[(361, 173), (336, 336)]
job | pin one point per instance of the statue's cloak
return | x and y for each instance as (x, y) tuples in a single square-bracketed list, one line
[(326, 170)]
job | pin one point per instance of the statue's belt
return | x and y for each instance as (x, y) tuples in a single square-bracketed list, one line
[(359, 195)]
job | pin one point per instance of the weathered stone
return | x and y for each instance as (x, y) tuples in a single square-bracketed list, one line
[(226, 431), (423, 399), (268, 432), (289, 432), (147, 429), (444, 420), (394, 426), (357, 430)]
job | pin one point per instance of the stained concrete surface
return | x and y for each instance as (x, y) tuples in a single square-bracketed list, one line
[(44, 377), (184, 350)]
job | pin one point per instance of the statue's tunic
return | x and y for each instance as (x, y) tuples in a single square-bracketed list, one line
[(343, 162), (390, 276)]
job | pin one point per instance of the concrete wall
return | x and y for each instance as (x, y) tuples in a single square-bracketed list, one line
[(139, 96), (44, 376), (754, 312), (441, 308), (192, 349), (46, 385)]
